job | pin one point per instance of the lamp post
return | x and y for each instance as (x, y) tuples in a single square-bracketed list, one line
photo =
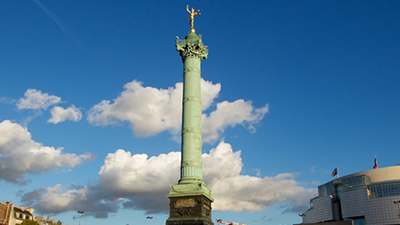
[(81, 213), (398, 207), (149, 218), (302, 216)]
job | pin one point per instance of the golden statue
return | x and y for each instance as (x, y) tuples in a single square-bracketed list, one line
[(192, 15)]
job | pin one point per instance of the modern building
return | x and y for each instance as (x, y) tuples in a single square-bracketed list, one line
[(366, 198)]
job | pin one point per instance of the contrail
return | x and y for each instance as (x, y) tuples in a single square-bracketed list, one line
[(62, 25), (55, 18)]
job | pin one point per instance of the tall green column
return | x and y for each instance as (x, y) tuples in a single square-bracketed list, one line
[(192, 52), (190, 199)]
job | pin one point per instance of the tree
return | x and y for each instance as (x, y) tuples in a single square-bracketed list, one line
[(29, 222)]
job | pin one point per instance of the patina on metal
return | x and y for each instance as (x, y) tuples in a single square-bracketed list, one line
[(190, 199)]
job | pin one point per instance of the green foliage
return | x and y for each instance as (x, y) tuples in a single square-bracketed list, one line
[(29, 222)]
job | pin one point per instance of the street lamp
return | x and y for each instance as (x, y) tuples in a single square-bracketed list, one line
[(149, 218), (80, 212)]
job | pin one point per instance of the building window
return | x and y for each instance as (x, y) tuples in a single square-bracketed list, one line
[(360, 221), (338, 190), (355, 183), (386, 189), (312, 202), (357, 221), (326, 190)]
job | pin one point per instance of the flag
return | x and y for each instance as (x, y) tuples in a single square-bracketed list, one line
[(335, 172), (375, 163)]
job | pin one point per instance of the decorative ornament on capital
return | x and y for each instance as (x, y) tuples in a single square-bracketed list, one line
[(192, 45)]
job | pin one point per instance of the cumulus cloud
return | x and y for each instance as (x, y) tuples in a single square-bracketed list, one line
[(163, 168), (150, 176), (150, 110), (20, 155), (231, 114), (35, 99), (235, 192), (59, 114), (141, 183), (59, 199)]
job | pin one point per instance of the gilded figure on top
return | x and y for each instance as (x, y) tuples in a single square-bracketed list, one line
[(192, 15)]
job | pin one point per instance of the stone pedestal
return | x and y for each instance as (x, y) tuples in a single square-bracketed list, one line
[(189, 210)]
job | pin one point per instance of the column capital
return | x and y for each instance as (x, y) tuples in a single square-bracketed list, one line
[(192, 46)]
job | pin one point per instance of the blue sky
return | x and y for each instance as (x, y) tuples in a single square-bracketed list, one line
[(90, 104)]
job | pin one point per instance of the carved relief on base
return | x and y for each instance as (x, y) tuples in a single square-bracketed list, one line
[(195, 207)]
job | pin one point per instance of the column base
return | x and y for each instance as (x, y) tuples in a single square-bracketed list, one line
[(190, 210), (189, 188)]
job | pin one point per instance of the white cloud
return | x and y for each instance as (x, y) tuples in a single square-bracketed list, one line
[(20, 155), (7, 100), (142, 183), (153, 173), (59, 199), (35, 99), (209, 92), (231, 114), (235, 192), (59, 114), (150, 110)]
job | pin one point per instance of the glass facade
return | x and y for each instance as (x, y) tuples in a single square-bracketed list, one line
[(322, 190), (360, 221), (326, 190), (387, 189), (312, 202), (338, 190), (355, 183)]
